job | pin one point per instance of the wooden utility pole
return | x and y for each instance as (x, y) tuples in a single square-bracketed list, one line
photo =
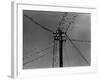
[(60, 36)]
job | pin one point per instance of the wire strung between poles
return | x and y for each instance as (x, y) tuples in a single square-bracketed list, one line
[(62, 19), (35, 59), (67, 37), (39, 51), (38, 23), (71, 23), (74, 17), (81, 40), (79, 52)]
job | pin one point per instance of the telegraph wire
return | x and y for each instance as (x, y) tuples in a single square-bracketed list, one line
[(81, 40), (38, 23), (62, 19), (71, 23), (35, 59), (71, 41), (67, 38), (39, 51), (77, 49)]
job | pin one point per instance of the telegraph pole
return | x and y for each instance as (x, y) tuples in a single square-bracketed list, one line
[(60, 49), (60, 36)]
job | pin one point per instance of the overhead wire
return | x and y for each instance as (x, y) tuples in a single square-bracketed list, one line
[(39, 51), (77, 49), (71, 41), (67, 37), (62, 19), (35, 59), (55, 44), (38, 23), (88, 41)]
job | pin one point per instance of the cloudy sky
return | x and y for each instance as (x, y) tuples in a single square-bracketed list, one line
[(36, 39)]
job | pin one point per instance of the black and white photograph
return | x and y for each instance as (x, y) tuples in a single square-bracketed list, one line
[(55, 39)]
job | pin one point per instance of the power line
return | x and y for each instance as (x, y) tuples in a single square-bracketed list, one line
[(61, 22), (35, 59), (38, 23), (68, 27), (79, 52), (81, 40), (58, 36), (39, 51), (71, 22), (73, 40)]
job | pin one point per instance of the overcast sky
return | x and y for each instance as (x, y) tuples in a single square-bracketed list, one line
[(36, 39)]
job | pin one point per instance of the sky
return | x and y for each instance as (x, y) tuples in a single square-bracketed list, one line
[(36, 39)]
